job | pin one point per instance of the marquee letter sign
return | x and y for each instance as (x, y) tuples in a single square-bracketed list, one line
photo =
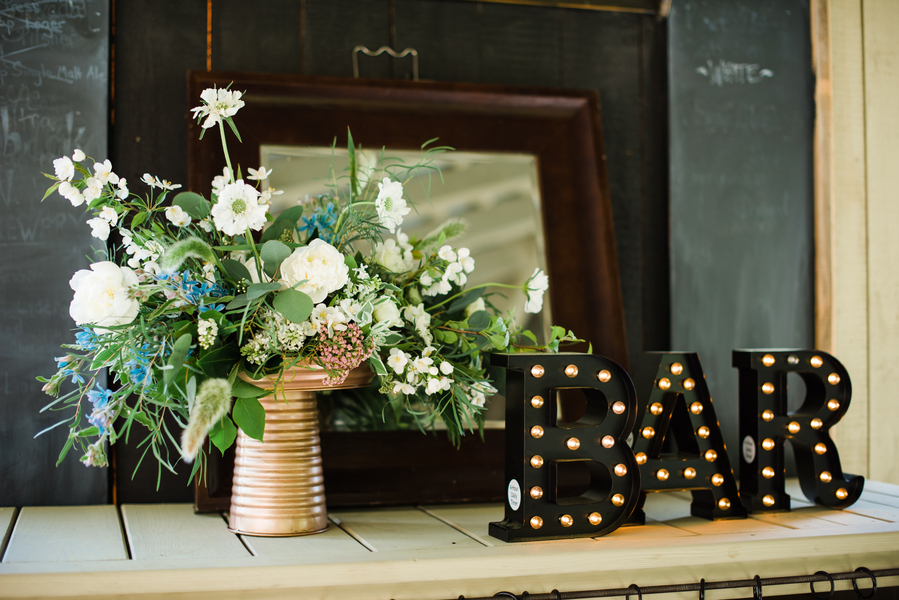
[(678, 404), (765, 424), (541, 447)]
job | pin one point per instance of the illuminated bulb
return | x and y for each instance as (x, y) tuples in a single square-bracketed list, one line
[(768, 360), (816, 361), (662, 474), (536, 522), (768, 444), (817, 423), (768, 388), (608, 442), (717, 479), (793, 359), (536, 461), (833, 379), (689, 473), (566, 520), (842, 493), (573, 443), (618, 500), (641, 458), (768, 500), (793, 427), (618, 408), (648, 432), (711, 455), (820, 448), (677, 369), (656, 408), (664, 383), (595, 518), (537, 401), (767, 415), (538, 371), (833, 404), (696, 408), (620, 470), (536, 492), (604, 376), (703, 432), (689, 384), (571, 370), (724, 504), (537, 431), (826, 477), (768, 473)]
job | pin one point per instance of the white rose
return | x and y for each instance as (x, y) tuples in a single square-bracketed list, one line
[(387, 311), (321, 265), (390, 256), (102, 295)]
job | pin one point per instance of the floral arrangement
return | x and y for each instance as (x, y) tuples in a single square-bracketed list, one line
[(201, 290)]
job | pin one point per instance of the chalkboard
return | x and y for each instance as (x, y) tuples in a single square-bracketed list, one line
[(54, 87), (741, 101)]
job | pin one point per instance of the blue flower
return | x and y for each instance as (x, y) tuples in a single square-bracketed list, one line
[(99, 397), (87, 339), (322, 219)]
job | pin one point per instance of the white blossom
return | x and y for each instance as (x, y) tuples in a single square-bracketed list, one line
[(102, 295), (403, 388), (446, 368), (99, 228), (177, 216), (319, 265), (78, 155), (397, 360), (64, 168), (465, 259), (390, 204), (103, 172), (536, 286), (217, 104), (258, 174), (109, 214), (446, 253), (238, 209), (71, 193), (93, 188)]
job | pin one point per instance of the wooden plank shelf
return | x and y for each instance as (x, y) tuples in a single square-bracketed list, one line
[(430, 552)]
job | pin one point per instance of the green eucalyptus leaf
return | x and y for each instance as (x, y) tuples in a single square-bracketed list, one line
[(257, 290), (447, 337), (236, 269), (249, 415), (179, 355), (193, 204), (294, 305), (276, 229), (291, 215), (479, 320), (273, 254), (223, 434), (238, 302)]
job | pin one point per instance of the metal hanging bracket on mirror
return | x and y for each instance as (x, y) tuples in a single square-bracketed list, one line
[(389, 51)]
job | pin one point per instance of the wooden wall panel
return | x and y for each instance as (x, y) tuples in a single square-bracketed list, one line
[(334, 27), (272, 28)]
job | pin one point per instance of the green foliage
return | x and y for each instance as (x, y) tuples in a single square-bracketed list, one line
[(249, 415), (293, 305)]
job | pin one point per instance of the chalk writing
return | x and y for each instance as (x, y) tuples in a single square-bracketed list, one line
[(729, 73)]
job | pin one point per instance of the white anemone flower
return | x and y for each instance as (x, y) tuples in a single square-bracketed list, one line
[(217, 104), (177, 216), (258, 174), (64, 168), (238, 209), (536, 286), (390, 204)]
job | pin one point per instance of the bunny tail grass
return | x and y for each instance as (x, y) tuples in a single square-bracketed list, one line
[(211, 404), (177, 253)]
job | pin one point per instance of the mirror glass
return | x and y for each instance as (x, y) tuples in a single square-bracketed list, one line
[(496, 195)]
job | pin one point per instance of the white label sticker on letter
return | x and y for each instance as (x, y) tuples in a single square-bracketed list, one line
[(514, 494)]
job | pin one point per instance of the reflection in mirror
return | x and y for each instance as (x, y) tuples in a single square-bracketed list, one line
[(496, 195)]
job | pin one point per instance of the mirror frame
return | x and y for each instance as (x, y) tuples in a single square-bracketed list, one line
[(562, 128)]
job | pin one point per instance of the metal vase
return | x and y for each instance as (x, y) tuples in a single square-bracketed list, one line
[(279, 487)]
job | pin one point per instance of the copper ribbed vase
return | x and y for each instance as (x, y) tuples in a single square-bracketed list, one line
[(279, 487)]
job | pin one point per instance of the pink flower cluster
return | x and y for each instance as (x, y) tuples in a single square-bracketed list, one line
[(342, 352)]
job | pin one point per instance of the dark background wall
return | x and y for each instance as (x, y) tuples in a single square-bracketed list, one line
[(621, 56)]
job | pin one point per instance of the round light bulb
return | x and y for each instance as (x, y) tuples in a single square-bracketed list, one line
[(817, 423), (566, 520), (618, 500), (826, 477), (620, 470), (608, 442), (689, 473), (724, 504), (711, 455), (793, 427), (595, 518), (842, 493), (536, 461), (703, 432), (536, 522), (571, 370), (618, 408), (696, 408), (793, 359), (537, 401), (768, 360), (538, 371), (664, 383), (816, 361), (833, 379), (648, 432), (662, 474), (604, 376), (768, 473), (689, 384), (833, 404), (537, 431), (677, 368), (536, 492), (641, 458), (656, 408), (767, 415), (717, 479), (573, 443), (768, 500), (768, 388), (768, 444), (820, 448)]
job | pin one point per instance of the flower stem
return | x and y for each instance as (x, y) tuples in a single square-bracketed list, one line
[(343, 212), (475, 287), (225, 148), (258, 261)]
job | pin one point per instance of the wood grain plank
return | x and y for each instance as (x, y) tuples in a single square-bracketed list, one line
[(887, 489), (401, 529), (7, 519), (472, 520), (174, 531), (279, 50), (335, 27), (50, 534), (331, 542), (875, 511)]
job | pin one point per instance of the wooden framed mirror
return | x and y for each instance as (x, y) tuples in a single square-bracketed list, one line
[(561, 129)]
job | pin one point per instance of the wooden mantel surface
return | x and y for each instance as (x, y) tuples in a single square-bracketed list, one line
[(429, 552)]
